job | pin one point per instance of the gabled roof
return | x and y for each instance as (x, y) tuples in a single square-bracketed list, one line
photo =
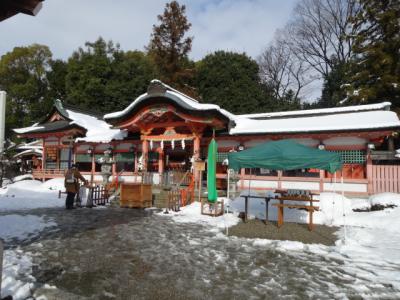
[(160, 92), (94, 128)]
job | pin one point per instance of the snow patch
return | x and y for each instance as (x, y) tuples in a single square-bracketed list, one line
[(20, 227), (17, 280), (28, 194)]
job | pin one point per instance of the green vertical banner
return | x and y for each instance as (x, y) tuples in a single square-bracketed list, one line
[(212, 171)]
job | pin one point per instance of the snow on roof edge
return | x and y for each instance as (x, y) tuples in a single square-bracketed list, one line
[(172, 93), (349, 121), (331, 110)]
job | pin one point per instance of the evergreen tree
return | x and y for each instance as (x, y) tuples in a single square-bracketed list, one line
[(102, 77), (169, 47), (333, 89), (376, 71), (23, 74), (56, 78), (231, 81)]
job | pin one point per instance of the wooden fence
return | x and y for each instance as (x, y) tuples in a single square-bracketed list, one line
[(385, 178), (99, 195)]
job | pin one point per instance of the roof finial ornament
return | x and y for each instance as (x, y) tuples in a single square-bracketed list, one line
[(156, 87)]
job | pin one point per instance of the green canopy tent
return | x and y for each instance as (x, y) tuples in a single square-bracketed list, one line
[(285, 155)]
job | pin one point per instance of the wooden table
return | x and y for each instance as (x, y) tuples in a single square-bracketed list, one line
[(246, 204), (300, 198)]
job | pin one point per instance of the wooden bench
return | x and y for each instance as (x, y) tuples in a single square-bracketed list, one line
[(310, 207)]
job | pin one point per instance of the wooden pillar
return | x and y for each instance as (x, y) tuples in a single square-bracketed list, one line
[(279, 179), (59, 148), (145, 154), (114, 166), (242, 174), (160, 161), (136, 163), (196, 156), (321, 180), (391, 144), (93, 167), (43, 161), (370, 189)]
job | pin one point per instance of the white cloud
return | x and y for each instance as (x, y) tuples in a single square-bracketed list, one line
[(65, 25)]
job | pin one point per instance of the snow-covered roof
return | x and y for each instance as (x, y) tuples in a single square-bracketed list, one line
[(97, 130), (36, 144), (32, 128), (174, 95), (37, 152), (360, 120), (322, 111)]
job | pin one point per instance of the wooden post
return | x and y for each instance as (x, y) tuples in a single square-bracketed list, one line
[(321, 180), (242, 174), (93, 167), (114, 166), (160, 162), (279, 179), (43, 161), (196, 156), (370, 189), (200, 175), (145, 154)]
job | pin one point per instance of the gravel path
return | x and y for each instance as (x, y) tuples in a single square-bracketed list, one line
[(255, 228)]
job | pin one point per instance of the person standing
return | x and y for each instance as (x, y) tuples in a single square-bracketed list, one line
[(71, 184)]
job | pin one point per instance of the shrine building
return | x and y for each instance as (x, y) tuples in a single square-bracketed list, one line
[(165, 131)]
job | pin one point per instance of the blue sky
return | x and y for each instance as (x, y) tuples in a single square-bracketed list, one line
[(64, 25)]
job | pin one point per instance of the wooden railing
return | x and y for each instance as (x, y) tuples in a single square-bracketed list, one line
[(48, 173)]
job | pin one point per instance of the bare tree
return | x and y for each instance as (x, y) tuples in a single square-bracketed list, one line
[(281, 70), (321, 34)]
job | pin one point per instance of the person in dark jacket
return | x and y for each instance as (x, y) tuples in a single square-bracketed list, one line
[(71, 183)]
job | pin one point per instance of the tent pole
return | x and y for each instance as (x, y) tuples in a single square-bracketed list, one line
[(334, 191), (227, 187), (344, 212)]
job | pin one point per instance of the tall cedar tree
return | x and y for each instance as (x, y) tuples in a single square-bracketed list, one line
[(332, 90), (169, 47), (376, 72)]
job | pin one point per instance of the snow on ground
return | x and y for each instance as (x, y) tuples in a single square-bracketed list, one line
[(368, 244), (20, 227), (30, 194), (17, 279), (191, 214)]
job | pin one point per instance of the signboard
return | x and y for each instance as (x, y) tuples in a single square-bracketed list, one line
[(51, 154), (200, 165)]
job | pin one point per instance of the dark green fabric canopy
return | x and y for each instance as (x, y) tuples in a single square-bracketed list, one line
[(285, 155), (212, 171)]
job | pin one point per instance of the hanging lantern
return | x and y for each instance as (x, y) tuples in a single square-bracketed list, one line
[(183, 144), (151, 144), (162, 144), (173, 144)]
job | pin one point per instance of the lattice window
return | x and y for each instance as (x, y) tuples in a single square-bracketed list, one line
[(221, 157), (352, 156)]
